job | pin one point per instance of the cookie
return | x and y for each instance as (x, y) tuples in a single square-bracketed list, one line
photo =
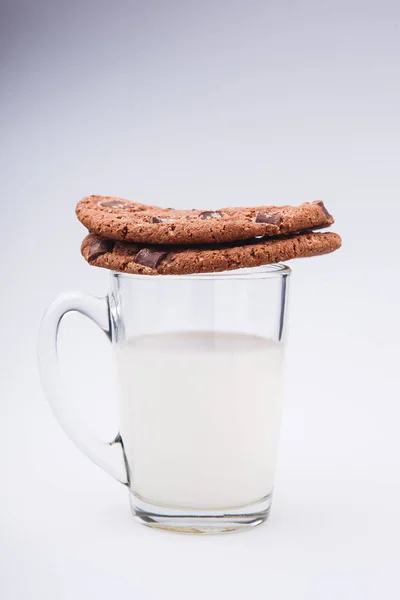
[(123, 220), (173, 260)]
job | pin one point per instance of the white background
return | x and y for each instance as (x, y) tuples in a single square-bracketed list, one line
[(205, 104)]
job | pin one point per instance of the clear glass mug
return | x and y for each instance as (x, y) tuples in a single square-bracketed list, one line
[(199, 375)]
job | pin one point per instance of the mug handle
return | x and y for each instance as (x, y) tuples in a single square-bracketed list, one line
[(109, 456)]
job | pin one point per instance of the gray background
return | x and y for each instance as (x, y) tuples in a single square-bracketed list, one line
[(205, 104)]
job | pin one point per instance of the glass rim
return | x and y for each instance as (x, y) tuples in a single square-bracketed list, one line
[(262, 272)]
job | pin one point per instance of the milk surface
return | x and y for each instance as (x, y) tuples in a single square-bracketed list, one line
[(200, 415)]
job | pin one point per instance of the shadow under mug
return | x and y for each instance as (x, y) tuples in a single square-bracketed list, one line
[(199, 375)]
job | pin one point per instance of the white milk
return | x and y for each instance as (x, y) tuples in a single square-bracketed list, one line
[(200, 417)]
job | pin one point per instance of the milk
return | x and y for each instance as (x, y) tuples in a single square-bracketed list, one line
[(200, 417)]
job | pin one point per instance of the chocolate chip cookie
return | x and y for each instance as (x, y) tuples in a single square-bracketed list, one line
[(174, 260), (119, 219)]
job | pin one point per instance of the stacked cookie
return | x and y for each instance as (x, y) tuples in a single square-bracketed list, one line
[(136, 238)]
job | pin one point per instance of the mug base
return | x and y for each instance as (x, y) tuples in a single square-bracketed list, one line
[(196, 521)]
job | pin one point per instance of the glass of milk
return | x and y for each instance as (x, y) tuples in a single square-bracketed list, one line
[(199, 377)]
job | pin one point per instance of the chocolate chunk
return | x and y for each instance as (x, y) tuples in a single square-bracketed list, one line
[(262, 217), (322, 205), (112, 204), (99, 248), (161, 220), (210, 214), (149, 258)]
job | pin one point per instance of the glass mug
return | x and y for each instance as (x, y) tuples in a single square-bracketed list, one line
[(199, 375)]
